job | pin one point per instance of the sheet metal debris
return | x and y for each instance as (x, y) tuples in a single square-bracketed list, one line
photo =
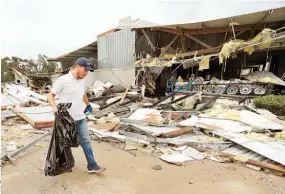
[(274, 150), (214, 124)]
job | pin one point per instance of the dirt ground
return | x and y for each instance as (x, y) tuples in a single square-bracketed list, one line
[(131, 174)]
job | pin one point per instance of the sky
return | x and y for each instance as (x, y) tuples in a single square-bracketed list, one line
[(56, 27)]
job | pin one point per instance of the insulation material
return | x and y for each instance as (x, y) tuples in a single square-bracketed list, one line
[(229, 48), (280, 135), (259, 137), (204, 63), (273, 150), (216, 124), (266, 35), (264, 77)]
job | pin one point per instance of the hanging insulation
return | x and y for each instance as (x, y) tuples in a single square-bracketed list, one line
[(266, 35), (229, 48), (204, 63)]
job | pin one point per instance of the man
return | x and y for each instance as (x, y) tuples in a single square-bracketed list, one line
[(69, 88)]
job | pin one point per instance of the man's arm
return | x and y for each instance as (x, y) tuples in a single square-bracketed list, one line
[(85, 100), (51, 100), (56, 89)]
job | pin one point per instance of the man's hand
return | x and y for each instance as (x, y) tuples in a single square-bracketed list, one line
[(54, 108), (88, 109)]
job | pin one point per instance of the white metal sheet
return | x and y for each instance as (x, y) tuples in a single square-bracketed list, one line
[(273, 150), (216, 124)]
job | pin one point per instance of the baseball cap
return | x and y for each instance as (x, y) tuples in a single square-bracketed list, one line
[(82, 61)]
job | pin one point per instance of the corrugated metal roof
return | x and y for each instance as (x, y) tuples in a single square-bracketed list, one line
[(246, 19), (274, 150), (86, 51), (238, 150), (116, 50)]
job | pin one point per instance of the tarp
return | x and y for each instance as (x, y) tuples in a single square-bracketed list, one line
[(59, 158)]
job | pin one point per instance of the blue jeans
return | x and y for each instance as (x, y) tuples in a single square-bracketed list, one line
[(83, 133)]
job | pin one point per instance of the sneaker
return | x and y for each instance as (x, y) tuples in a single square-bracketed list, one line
[(96, 169)]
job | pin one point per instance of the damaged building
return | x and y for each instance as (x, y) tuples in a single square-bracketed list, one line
[(172, 53), (197, 69)]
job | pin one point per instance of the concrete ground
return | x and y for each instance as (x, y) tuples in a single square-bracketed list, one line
[(131, 174)]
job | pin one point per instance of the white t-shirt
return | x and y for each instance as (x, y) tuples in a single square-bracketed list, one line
[(70, 90)]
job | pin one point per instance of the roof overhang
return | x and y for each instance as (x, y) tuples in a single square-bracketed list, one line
[(240, 22), (86, 51)]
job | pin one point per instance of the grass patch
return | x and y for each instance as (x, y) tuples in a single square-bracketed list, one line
[(273, 103)]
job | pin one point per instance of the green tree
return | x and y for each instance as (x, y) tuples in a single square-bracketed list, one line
[(27, 65)]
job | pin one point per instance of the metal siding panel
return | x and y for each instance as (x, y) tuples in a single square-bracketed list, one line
[(116, 50)]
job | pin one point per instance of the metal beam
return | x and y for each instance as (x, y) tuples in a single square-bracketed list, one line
[(82, 52), (148, 39), (203, 30), (198, 41)]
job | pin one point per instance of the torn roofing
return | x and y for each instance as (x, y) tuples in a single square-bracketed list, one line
[(273, 150)]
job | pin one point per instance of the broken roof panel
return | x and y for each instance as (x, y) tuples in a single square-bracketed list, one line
[(214, 124), (273, 150)]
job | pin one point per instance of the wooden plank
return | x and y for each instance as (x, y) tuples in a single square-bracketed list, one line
[(124, 96), (176, 133), (149, 41), (205, 30), (107, 105), (25, 117), (198, 41), (192, 53), (169, 45), (36, 124)]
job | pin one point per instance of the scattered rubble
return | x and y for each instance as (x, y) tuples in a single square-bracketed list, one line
[(179, 128)]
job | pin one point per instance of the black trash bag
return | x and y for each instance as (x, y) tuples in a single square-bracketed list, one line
[(59, 158)]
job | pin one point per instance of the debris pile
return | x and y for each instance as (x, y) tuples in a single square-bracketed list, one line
[(183, 127), (177, 128)]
